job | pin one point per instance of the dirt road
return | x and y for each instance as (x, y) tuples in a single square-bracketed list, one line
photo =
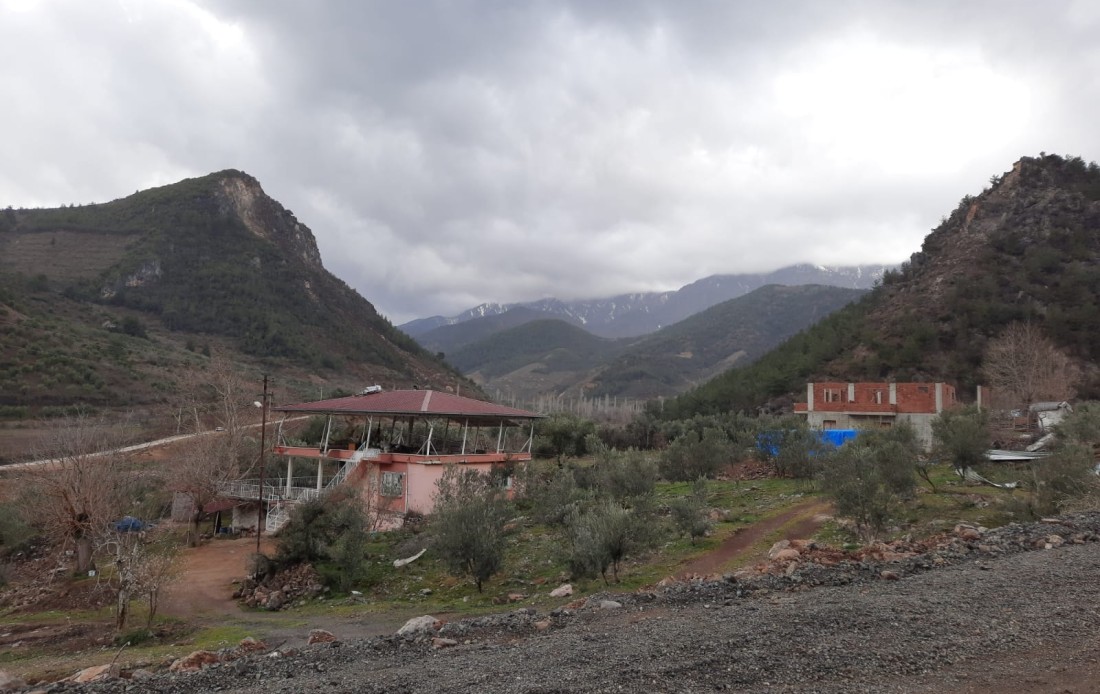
[(209, 571), (797, 523)]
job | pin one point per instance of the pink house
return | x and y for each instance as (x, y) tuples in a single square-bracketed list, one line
[(392, 447)]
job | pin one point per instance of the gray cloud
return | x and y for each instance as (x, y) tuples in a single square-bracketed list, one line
[(449, 153)]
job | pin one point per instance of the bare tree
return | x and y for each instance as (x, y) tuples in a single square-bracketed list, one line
[(158, 569), (221, 397), (200, 473), (81, 487), (140, 569), (1024, 366)]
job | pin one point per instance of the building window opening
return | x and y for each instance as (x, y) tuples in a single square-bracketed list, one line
[(393, 483)]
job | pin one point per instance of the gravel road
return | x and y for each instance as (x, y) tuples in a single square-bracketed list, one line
[(994, 614)]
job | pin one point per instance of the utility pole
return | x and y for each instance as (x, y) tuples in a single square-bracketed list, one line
[(263, 464)]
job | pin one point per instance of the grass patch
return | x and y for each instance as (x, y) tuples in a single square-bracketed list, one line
[(221, 636)]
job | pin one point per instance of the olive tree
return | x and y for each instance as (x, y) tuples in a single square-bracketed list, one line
[(960, 435), (692, 455), (602, 536), (467, 523), (868, 477), (689, 513)]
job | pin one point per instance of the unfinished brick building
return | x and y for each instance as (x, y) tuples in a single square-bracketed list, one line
[(836, 405)]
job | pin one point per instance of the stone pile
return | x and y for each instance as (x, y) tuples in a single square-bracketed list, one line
[(589, 622), (285, 588)]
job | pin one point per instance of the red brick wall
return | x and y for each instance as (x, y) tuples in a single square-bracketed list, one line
[(911, 397)]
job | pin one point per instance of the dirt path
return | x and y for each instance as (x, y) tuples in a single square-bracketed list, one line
[(208, 574), (204, 596), (800, 521)]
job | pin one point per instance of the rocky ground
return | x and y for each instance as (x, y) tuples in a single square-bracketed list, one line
[(981, 611)]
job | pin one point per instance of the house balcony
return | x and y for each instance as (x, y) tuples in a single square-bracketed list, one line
[(273, 491), (418, 457)]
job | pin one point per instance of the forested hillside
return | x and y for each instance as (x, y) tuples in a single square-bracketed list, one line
[(731, 334), (104, 303), (1027, 248)]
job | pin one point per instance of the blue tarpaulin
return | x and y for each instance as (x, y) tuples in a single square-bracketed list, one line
[(129, 524), (770, 441), (838, 437)]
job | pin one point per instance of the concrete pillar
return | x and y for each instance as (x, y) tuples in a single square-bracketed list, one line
[(894, 394), (289, 473), (809, 397), (980, 398), (939, 398), (851, 392)]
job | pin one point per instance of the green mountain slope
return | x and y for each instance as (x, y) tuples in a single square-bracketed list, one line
[(450, 338), (730, 334), (1028, 248), (554, 357), (552, 344), (119, 297)]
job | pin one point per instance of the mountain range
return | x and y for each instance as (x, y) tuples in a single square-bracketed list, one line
[(633, 315), (552, 356), (112, 305)]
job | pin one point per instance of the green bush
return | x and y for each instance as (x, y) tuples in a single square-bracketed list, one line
[(331, 534), (134, 637), (15, 534), (1061, 479)]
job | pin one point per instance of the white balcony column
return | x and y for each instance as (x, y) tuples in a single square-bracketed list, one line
[(320, 472), (289, 473), (328, 430)]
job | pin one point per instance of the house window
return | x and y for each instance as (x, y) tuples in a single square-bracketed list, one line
[(828, 424), (878, 397), (392, 483), (832, 395)]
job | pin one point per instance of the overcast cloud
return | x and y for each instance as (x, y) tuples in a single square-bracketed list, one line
[(451, 153)]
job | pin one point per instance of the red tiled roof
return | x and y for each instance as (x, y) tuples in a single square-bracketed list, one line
[(411, 402)]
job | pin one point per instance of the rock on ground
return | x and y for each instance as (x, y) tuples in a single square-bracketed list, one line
[(956, 618)]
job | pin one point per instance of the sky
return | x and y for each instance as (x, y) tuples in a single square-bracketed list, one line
[(451, 153)]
